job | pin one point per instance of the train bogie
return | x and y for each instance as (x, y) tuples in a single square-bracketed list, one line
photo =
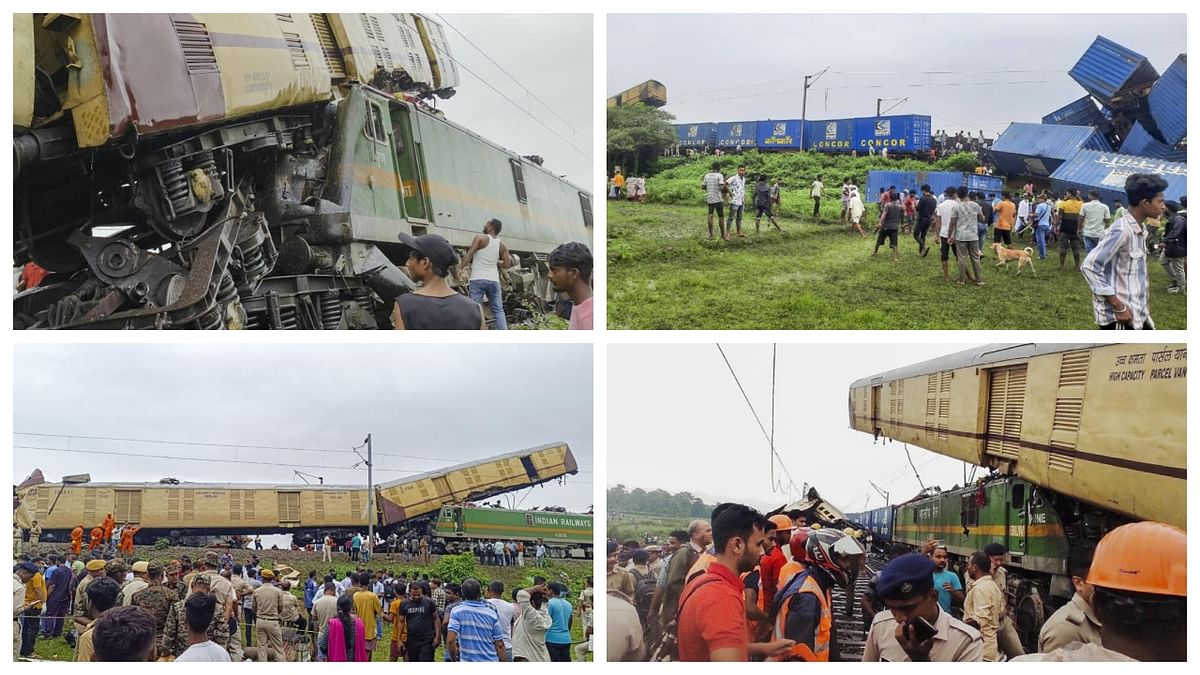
[(1100, 423)]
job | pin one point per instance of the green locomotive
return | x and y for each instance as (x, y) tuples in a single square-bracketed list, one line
[(566, 535)]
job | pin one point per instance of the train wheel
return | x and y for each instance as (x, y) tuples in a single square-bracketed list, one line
[(1030, 614)]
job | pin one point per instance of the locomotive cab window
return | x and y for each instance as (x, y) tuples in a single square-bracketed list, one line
[(970, 512), (586, 203), (519, 180), (374, 125)]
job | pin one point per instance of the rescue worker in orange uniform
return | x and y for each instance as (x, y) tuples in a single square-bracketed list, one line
[(77, 539), (126, 545), (108, 526), (97, 539), (805, 604)]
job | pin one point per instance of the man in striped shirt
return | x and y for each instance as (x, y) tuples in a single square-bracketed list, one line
[(1116, 268), (474, 632)]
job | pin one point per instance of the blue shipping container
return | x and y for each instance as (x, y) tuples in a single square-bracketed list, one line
[(1168, 102), (986, 184), (735, 134), (1108, 71), (1081, 113), (829, 135), (898, 133), (1140, 142), (779, 134), (1105, 172), (1026, 149), (938, 181), (697, 135)]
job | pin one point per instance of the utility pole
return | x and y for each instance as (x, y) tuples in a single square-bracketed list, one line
[(883, 493), (804, 103), (879, 104), (370, 498)]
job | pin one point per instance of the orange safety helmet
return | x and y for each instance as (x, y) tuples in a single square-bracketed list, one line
[(781, 522), (1145, 557), (799, 544)]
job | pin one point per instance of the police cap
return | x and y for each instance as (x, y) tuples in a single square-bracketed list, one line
[(906, 577), (141, 567), (995, 548), (95, 565)]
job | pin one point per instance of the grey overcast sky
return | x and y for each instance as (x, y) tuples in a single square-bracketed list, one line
[(874, 56), (677, 421), (452, 403), (551, 55)]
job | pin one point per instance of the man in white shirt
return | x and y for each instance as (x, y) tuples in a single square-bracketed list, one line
[(198, 613), (504, 608), (489, 255), (1094, 216), (817, 188), (942, 216), (737, 198)]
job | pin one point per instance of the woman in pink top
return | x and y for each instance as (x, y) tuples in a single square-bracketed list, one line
[(344, 637), (571, 273)]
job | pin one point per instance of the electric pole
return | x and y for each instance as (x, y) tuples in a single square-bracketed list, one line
[(879, 104), (370, 498), (804, 103)]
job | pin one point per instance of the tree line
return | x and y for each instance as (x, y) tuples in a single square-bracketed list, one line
[(658, 502)]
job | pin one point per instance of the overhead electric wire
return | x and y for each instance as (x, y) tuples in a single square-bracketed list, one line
[(513, 78), (770, 440), (235, 446), (676, 102), (705, 92), (516, 105)]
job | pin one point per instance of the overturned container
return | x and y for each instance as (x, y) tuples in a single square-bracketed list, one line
[(1115, 75), (1105, 172), (1026, 149)]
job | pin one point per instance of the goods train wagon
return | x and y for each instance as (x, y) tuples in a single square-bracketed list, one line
[(254, 171), (876, 521), (651, 92), (424, 494), (564, 534), (177, 511), (1103, 424)]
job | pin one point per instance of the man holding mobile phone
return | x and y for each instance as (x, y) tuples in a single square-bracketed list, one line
[(913, 626)]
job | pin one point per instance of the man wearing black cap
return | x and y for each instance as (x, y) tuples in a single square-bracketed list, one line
[(1006, 639), (906, 589), (435, 305)]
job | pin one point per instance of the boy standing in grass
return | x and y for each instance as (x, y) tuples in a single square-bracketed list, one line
[(764, 196)]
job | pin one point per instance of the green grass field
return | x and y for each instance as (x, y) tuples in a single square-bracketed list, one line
[(640, 526), (663, 273), (571, 573)]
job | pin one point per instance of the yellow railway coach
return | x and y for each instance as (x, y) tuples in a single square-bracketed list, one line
[(1101, 423), (180, 511), (424, 494)]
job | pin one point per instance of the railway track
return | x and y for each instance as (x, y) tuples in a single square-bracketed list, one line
[(848, 626)]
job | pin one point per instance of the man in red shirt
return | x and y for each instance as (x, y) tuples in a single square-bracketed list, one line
[(712, 612), (774, 560)]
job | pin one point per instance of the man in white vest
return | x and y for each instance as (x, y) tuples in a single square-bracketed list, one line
[(487, 256)]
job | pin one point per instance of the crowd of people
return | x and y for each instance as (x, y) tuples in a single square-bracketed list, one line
[(508, 553), (115, 608), (436, 305), (753, 588)]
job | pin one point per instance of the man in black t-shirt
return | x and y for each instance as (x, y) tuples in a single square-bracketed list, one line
[(925, 210), (891, 213), (424, 626)]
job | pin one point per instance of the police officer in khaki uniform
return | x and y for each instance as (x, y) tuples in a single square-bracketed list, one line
[(137, 583), (268, 608), (906, 588), (1075, 621), (95, 570), (35, 535), (1006, 638)]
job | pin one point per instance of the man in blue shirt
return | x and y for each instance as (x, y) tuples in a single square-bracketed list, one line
[(474, 632), (310, 590), (948, 585), (558, 637), (1041, 218)]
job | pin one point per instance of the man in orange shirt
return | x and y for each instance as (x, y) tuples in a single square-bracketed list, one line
[(108, 526), (77, 539), (773, 561), (97, 539), (712, 615), (1006, 213)]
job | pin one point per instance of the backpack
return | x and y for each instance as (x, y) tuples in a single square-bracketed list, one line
[(665, 646), (643, 592)]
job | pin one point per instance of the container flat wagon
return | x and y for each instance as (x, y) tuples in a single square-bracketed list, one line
[(732, 135), (565, 535), (697, 136)]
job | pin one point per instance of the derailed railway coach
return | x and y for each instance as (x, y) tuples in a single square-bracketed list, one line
[(214, 171), (183, 512), (1078, 440)]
